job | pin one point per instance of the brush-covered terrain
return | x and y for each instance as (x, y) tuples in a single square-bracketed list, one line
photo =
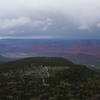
[(45, 78)]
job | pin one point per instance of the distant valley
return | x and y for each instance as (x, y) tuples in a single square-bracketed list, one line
[(78, 51)]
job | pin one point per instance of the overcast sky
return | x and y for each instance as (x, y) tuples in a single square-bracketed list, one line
[(50, 19)]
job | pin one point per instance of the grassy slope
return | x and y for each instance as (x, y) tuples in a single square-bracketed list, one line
[(67, 81), (36, 61)]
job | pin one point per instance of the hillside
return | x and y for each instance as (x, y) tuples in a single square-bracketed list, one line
[(36, 61), (47, 78)]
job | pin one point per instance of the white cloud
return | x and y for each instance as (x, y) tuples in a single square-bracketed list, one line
[(98, 25), (43, 24), (13, 24), (26, 37), (78, 11), (83, 27)]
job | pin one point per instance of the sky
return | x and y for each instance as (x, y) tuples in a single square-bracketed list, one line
[(69, 19)]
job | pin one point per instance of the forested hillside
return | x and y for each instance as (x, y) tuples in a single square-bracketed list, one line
[(44, 78)]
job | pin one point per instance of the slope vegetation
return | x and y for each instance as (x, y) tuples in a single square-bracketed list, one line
[(45, 78)]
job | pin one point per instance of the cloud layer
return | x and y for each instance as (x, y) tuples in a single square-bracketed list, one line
[(24, 21), (17, 16)]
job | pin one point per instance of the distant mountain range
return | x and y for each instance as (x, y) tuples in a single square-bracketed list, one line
[(85, 48), (79, 51)]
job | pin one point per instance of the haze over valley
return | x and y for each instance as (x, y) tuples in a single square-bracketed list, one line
[(78, 51)]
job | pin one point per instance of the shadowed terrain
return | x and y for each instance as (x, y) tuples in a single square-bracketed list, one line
[(47, 78)]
